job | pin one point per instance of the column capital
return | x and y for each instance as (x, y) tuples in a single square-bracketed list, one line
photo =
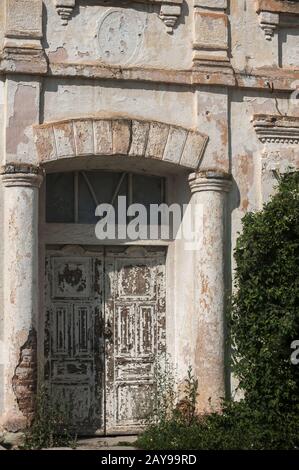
[(210, 180), (21, 174)]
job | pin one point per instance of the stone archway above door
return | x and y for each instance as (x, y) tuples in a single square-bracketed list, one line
[(94, 136)]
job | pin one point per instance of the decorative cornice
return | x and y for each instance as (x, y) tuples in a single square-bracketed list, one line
[(278, 6), (169, 12), (261, 78), (268, 22), (120, 136), (65, 10), (274, 13), (25, 168), (276, 129), (210, 180), (257, 79)]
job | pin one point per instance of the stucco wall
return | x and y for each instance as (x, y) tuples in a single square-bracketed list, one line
[(2, 113), (227, 69), (67, 98), (2, 18), (82, 41)]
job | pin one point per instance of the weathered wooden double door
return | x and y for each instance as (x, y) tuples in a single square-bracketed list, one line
[(104, 328)]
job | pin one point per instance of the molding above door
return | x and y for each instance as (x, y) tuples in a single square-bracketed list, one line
[(92, 136)]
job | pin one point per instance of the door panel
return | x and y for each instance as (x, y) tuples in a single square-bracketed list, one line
[(74, 345), (135, 320), (105, 325)]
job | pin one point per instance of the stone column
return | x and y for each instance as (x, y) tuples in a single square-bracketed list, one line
[(21, 183), (208, 189)]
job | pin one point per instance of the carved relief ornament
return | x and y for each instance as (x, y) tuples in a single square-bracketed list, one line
[(277, 129), (169, 12), (277, 13), (279, 135)]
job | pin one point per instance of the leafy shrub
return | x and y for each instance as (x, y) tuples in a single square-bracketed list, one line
[(265, 313), (50, 428), (238, 427), (264, 321)]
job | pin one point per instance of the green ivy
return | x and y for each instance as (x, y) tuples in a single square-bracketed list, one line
[(265, 313)]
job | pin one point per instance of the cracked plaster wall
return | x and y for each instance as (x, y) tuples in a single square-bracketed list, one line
[(2, 112), (224, 113), (149, 43)]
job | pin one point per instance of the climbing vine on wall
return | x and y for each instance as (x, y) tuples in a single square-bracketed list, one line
[(265, 314)]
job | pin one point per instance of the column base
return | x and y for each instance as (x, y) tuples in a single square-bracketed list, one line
[(13, 422)]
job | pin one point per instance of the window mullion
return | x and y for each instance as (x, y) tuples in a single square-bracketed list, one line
[(130, 189), (76, 196)]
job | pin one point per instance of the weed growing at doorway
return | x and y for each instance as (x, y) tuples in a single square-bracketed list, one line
[(172, 410), (187, 406), (168, 401), (50, 427), (165, 396)]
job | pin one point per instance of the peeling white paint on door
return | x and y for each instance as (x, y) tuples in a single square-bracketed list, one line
[(112, 329), (135, 315), (74, 347)]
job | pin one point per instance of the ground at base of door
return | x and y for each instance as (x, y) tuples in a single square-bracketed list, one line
[(103, 443)]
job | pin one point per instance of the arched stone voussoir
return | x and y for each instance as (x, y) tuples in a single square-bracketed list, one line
[(119, 136)]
